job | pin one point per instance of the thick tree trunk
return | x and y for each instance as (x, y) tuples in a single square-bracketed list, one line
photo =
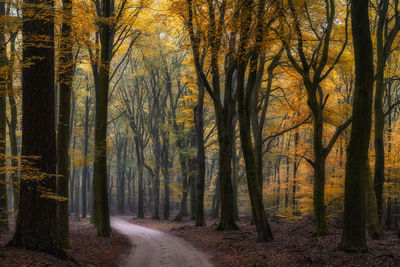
[(225, 138), (318, 166), (100, 207), (244, 108), (357, 164), (65, 73), (36, 226)]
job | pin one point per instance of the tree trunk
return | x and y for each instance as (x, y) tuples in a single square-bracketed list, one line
[(36, 226), (225, 139), (216, 200), (357, 164), (201, 156), (140, 159), (295, 168), (379, 174), (193, 174), (193, 195), (12, 130), (185, 187), (235, 175), (165, 171), (245, 95), (318, 166), (65, 73), (156, 181), (3, 95), (76, 203), (373, 222), (100, 205), (85, 169)]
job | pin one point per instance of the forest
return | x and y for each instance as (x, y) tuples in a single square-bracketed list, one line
[(199, 133)]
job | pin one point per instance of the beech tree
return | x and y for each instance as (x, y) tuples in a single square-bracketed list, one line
[(357, 163), (3, 98), (36, 226), (65, 72)]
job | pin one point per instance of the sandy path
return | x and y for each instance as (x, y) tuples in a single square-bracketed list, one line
[(153, 248)]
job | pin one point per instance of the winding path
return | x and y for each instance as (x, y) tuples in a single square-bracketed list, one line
[(153, 248)]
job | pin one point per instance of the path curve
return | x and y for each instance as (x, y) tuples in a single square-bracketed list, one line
[(153, 248)]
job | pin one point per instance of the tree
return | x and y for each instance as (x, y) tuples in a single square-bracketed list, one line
[(314, 67), (245, 98), (36, 226), (224, 109), (357, 163), (385, 36), (3, 97), (100, 199), (66, 73)]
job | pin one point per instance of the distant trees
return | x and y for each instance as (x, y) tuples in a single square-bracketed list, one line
[(173, 94)]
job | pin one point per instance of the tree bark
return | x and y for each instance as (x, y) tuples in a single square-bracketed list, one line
[(201, 156), (36, 226), (65, 73), (357, 164), (3, 98), (100, 207), (165, 170), (12, 130), (85, 169)]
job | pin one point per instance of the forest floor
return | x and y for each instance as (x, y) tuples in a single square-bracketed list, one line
[(294, 245), (87, 249)]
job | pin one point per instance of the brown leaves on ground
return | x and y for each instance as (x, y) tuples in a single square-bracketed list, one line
[(294, 245), (87, 249)]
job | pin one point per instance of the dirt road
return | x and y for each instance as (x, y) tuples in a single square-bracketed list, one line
[(153, 248)]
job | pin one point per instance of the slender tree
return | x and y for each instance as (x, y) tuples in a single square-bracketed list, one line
[(314, 68), (357, 164), (245, 97), (100, 199), (385, 36), (66, 73), (3, 98)]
